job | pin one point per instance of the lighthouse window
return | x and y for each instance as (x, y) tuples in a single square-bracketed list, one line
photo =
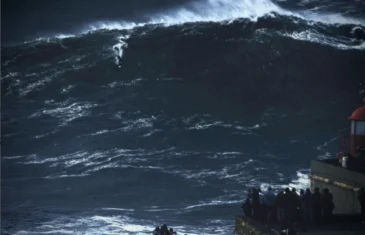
[(360, 128), (352, 127)]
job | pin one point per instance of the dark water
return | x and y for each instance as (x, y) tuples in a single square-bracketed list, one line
[(212, 97)]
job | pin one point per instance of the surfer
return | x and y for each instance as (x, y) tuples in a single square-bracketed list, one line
[(119, 52), (119, 61)]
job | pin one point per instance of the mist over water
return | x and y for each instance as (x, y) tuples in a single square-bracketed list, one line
[(210, 98)]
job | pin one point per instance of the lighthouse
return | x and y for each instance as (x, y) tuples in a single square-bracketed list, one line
[(357, 133), (344, 180)]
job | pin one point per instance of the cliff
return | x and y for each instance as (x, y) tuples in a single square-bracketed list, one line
[(248, 226)]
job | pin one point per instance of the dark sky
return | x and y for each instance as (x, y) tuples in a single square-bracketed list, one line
[(25, 19)]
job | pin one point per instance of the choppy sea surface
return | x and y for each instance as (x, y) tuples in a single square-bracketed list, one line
[(211, 97)]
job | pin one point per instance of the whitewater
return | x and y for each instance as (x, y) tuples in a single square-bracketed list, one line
[(226, 11), (211, 98)]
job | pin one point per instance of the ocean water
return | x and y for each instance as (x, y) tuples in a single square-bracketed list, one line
[(211, 97)]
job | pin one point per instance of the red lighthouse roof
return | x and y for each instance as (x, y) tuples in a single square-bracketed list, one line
[(359, 114)]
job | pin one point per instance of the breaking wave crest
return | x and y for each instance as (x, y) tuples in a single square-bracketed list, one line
[(226, 11), (223, 10), (208, 99)]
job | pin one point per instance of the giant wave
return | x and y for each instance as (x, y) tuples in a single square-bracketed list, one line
[(211, 98)]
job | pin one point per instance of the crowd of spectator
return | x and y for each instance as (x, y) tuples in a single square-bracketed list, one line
[(289, 207)]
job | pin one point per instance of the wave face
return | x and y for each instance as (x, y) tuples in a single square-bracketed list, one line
[(209, 98)]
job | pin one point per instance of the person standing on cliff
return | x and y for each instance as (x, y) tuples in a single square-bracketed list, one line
[(280, 207), (316, 206), (157, 231), (255, 204), (307, 207), (269, 202), (294, 205), (247, 208), (361, 198), (327, 205)]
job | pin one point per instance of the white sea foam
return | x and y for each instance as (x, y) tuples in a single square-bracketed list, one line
[(44, 135), (67, 89), (121, 225), (63, 36), (240, 172), (226, 10), (69, 112), (10, 75), (60, 176), (203, 122), (124, 83), (213, 203), (311, 36), (93, 162), (107, 225), (301, 181), (12, 157), (215, 11), (48, 75), (117, 209)]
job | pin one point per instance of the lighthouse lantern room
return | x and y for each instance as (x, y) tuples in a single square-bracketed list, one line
[(357, 133)]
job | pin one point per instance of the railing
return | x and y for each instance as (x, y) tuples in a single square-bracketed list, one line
[(335, 183)]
